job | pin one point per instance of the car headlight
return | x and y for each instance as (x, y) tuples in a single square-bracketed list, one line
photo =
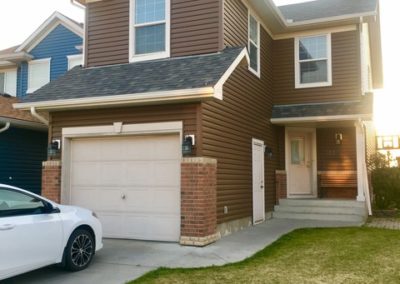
[(94, 215)]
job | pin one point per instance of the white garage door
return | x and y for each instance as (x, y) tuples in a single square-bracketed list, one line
[(132, 183)]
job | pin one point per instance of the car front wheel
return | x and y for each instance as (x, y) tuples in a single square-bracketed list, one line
[(80, 250)]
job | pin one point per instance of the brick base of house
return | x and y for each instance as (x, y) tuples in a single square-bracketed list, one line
[(281, 185), (51, 180), (198, 201)]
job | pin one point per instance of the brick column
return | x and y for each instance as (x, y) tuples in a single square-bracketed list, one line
[(281, 187), (198, 201), (51, 180)]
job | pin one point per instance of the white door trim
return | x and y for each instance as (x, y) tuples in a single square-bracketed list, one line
[(117, 129), (314, 179), (256, 142)]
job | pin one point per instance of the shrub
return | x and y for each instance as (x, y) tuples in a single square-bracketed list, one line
[(386, 185)]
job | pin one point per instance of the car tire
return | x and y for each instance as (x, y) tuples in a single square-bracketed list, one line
[(80, 250)]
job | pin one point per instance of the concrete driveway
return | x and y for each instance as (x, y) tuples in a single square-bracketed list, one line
[(123, 260)]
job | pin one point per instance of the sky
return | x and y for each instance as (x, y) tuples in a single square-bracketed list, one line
[(20, 18)]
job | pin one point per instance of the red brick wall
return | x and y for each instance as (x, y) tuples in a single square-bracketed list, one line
[(281, 188), (198, 197), (51, 180)]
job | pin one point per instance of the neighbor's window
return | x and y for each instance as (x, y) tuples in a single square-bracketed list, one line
[(38, 74), (8, 82), (254, 45), (150, 29), (313, 61), (74, 60)]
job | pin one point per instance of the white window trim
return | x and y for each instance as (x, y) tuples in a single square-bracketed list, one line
[(329, 63), (6, 81), (258, 71), (72, 57), (33, 62), (155, 55)]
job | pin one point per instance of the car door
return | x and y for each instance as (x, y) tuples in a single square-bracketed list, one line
[(29, 236)]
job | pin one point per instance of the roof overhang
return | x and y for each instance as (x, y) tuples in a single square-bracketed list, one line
[(15, 57), (319, 119), (24, 124), (157, 97)]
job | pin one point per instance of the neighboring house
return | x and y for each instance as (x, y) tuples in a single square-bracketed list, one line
[(49, 52), (192, 119)]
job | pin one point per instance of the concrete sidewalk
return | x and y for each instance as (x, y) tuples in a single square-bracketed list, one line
[(123, 260)]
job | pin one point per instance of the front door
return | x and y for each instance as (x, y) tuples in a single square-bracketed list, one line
[(258, 182), (300, 163)]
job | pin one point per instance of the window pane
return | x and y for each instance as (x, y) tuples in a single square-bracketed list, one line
[(314, 72), (253, 57), (150, 39), (14, 203), (149, 11), (297, 151), (2, 80), (313, 48), (39, 75), (253, 30)]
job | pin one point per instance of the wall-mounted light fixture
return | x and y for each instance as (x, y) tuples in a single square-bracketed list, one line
[(187, 145), (54, 148), (339, 138), (268, 151)]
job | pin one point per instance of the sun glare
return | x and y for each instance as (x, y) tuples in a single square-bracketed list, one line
[(387, 100)]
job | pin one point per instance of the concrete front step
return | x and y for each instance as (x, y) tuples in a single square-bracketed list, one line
[(317, 209), (325, 217), (321, 203)]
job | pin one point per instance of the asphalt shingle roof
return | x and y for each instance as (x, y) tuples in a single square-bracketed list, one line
[(326, 8), (324, 109), (141, 77), (7, 110)]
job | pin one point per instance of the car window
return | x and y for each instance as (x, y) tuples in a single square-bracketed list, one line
[(15, 203)]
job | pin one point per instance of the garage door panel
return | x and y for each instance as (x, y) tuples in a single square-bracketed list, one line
[(132, 182)]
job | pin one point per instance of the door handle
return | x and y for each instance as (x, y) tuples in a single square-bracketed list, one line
[(7, 227), (123, 196)]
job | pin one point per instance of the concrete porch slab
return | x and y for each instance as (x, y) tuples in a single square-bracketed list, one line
[(123, 260)]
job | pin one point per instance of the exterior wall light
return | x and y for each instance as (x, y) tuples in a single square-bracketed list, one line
[(339, 138), (54, 148), (268, 152), (187, 145)]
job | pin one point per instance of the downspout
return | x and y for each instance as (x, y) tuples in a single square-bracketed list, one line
[(38, 116), (6, 127)]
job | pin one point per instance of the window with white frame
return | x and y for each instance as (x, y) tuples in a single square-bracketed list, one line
[(8, 82), (254, 44), (74, 60), (38, 74), (150, 29), (313, 61)]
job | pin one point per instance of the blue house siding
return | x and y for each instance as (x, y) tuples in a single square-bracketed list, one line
[(57, 45), (21, 154)]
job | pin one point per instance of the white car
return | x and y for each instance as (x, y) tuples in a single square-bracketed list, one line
[(36, 232)]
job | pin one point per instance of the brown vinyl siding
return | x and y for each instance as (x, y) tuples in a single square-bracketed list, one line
[(346, 81), (195, 29), (228, 127), (235, 23), (333, 157), (129, 115)]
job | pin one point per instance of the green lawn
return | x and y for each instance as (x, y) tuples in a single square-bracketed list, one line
[(345, 255)]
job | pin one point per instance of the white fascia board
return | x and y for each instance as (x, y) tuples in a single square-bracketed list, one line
[(120, 100), (45, 28), (24, 123), (218, 88), (351, 117), (16, 56)]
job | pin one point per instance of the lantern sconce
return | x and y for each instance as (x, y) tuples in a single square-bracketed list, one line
[(268, 151), (54, 148), (187, 145), (339, 138)]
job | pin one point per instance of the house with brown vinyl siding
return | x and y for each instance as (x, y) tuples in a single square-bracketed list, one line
[(192, 119)]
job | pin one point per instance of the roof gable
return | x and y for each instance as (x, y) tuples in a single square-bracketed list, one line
[(47, 27)]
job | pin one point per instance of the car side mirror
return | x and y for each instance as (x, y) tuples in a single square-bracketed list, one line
[(49, 208)]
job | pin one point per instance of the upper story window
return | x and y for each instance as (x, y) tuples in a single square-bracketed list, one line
[(38, 74), (8, 82), (313, 61), (254, 45), (74, 60), (150, 29)]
